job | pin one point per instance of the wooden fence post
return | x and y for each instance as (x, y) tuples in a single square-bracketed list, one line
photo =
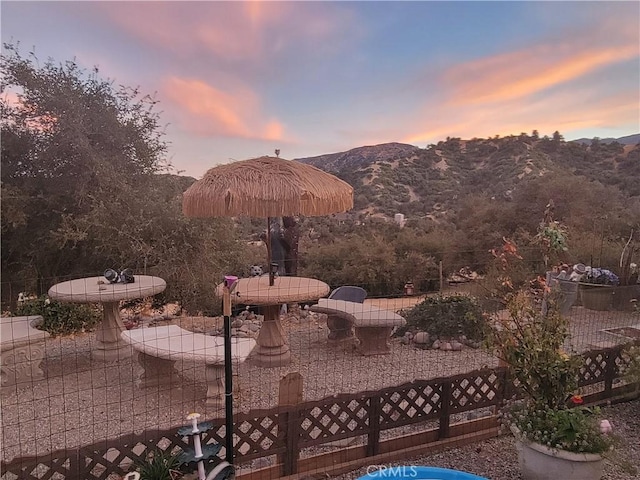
[(373, 439), (290, 393), (445, 401), (609, 370)]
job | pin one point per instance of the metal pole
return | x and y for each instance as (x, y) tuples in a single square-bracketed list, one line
[(271, 274), (229, 285)]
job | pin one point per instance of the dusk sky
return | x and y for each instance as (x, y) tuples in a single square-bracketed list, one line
[(237, 80)]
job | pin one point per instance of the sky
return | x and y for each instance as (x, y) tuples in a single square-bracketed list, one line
[(237, 80)]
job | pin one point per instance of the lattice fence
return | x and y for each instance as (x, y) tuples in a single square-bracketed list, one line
[(285, 431)]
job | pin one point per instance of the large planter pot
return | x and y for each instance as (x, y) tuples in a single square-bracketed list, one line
[(623, 296), (596, 297), (538, 462), (566, 291)]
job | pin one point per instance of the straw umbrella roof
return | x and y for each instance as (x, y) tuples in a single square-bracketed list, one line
[(266, 187)]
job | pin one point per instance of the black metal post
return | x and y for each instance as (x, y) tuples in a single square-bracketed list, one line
[(229, 284)]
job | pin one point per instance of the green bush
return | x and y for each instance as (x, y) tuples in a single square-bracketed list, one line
[(447, 316), (61, 318)]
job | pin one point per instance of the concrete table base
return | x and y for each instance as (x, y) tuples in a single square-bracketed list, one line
[(110, 347), (272, 349)]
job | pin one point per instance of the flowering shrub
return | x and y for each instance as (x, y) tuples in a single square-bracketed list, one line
[(530, 341)]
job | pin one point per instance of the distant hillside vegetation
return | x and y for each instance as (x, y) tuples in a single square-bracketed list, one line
[(431, 182)]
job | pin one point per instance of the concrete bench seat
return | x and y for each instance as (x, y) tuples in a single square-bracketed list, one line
[(160, 347), (21, 349), (373, 325)]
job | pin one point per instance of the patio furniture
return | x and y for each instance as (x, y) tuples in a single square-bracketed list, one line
[(340, 328), (272, 349), (373, 325), (98, 290), (160, 347), (21, 349)]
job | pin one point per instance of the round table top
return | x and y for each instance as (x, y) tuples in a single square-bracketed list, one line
[(99, 290), (257, 291)]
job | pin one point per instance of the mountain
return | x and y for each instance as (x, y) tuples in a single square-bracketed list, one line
[(628, 140), (398, 178), (361, 156)]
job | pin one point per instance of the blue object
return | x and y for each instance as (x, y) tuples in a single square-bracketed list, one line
[(413, 472)]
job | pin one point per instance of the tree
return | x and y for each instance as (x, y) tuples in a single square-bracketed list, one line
[(82, 188)]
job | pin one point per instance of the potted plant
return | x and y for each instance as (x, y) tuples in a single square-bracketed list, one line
[(597, 287), (557, 437)]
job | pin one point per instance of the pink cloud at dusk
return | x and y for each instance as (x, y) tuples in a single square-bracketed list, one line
[(563, 111), (567, 56), (207, 111), (522, 73)]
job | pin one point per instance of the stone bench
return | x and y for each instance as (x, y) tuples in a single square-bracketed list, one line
[(21, 349), (373, 325), (160, 347)]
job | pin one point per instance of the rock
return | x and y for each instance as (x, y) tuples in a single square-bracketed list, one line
[(254, 327), (421, 338), (446, 346), (436, 345), (456, 346), (405, 340), (236, 323)]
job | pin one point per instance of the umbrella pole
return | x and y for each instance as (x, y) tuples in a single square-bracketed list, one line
[(271, 272), (229, 284)]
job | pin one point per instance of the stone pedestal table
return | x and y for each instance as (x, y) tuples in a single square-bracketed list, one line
[(110, 345), (272, 349)]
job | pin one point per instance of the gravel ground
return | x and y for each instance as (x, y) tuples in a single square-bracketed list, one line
[(83, 401), (496, 459)]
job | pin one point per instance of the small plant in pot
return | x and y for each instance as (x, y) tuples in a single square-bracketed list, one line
[(557, 436)]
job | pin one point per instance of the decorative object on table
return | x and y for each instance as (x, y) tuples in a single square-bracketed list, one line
[(557, 437), (201, 455), (125, 276), (266, 187), (255, 270)]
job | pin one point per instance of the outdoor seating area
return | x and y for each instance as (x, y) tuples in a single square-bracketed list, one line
[(113, 403)]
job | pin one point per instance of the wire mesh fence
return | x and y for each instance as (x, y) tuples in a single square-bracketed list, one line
[(110, 395)]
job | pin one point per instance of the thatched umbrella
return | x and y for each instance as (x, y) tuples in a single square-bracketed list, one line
[(262, 187), (266, 187)]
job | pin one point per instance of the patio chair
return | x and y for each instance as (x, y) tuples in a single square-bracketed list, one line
[(349, 293)]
